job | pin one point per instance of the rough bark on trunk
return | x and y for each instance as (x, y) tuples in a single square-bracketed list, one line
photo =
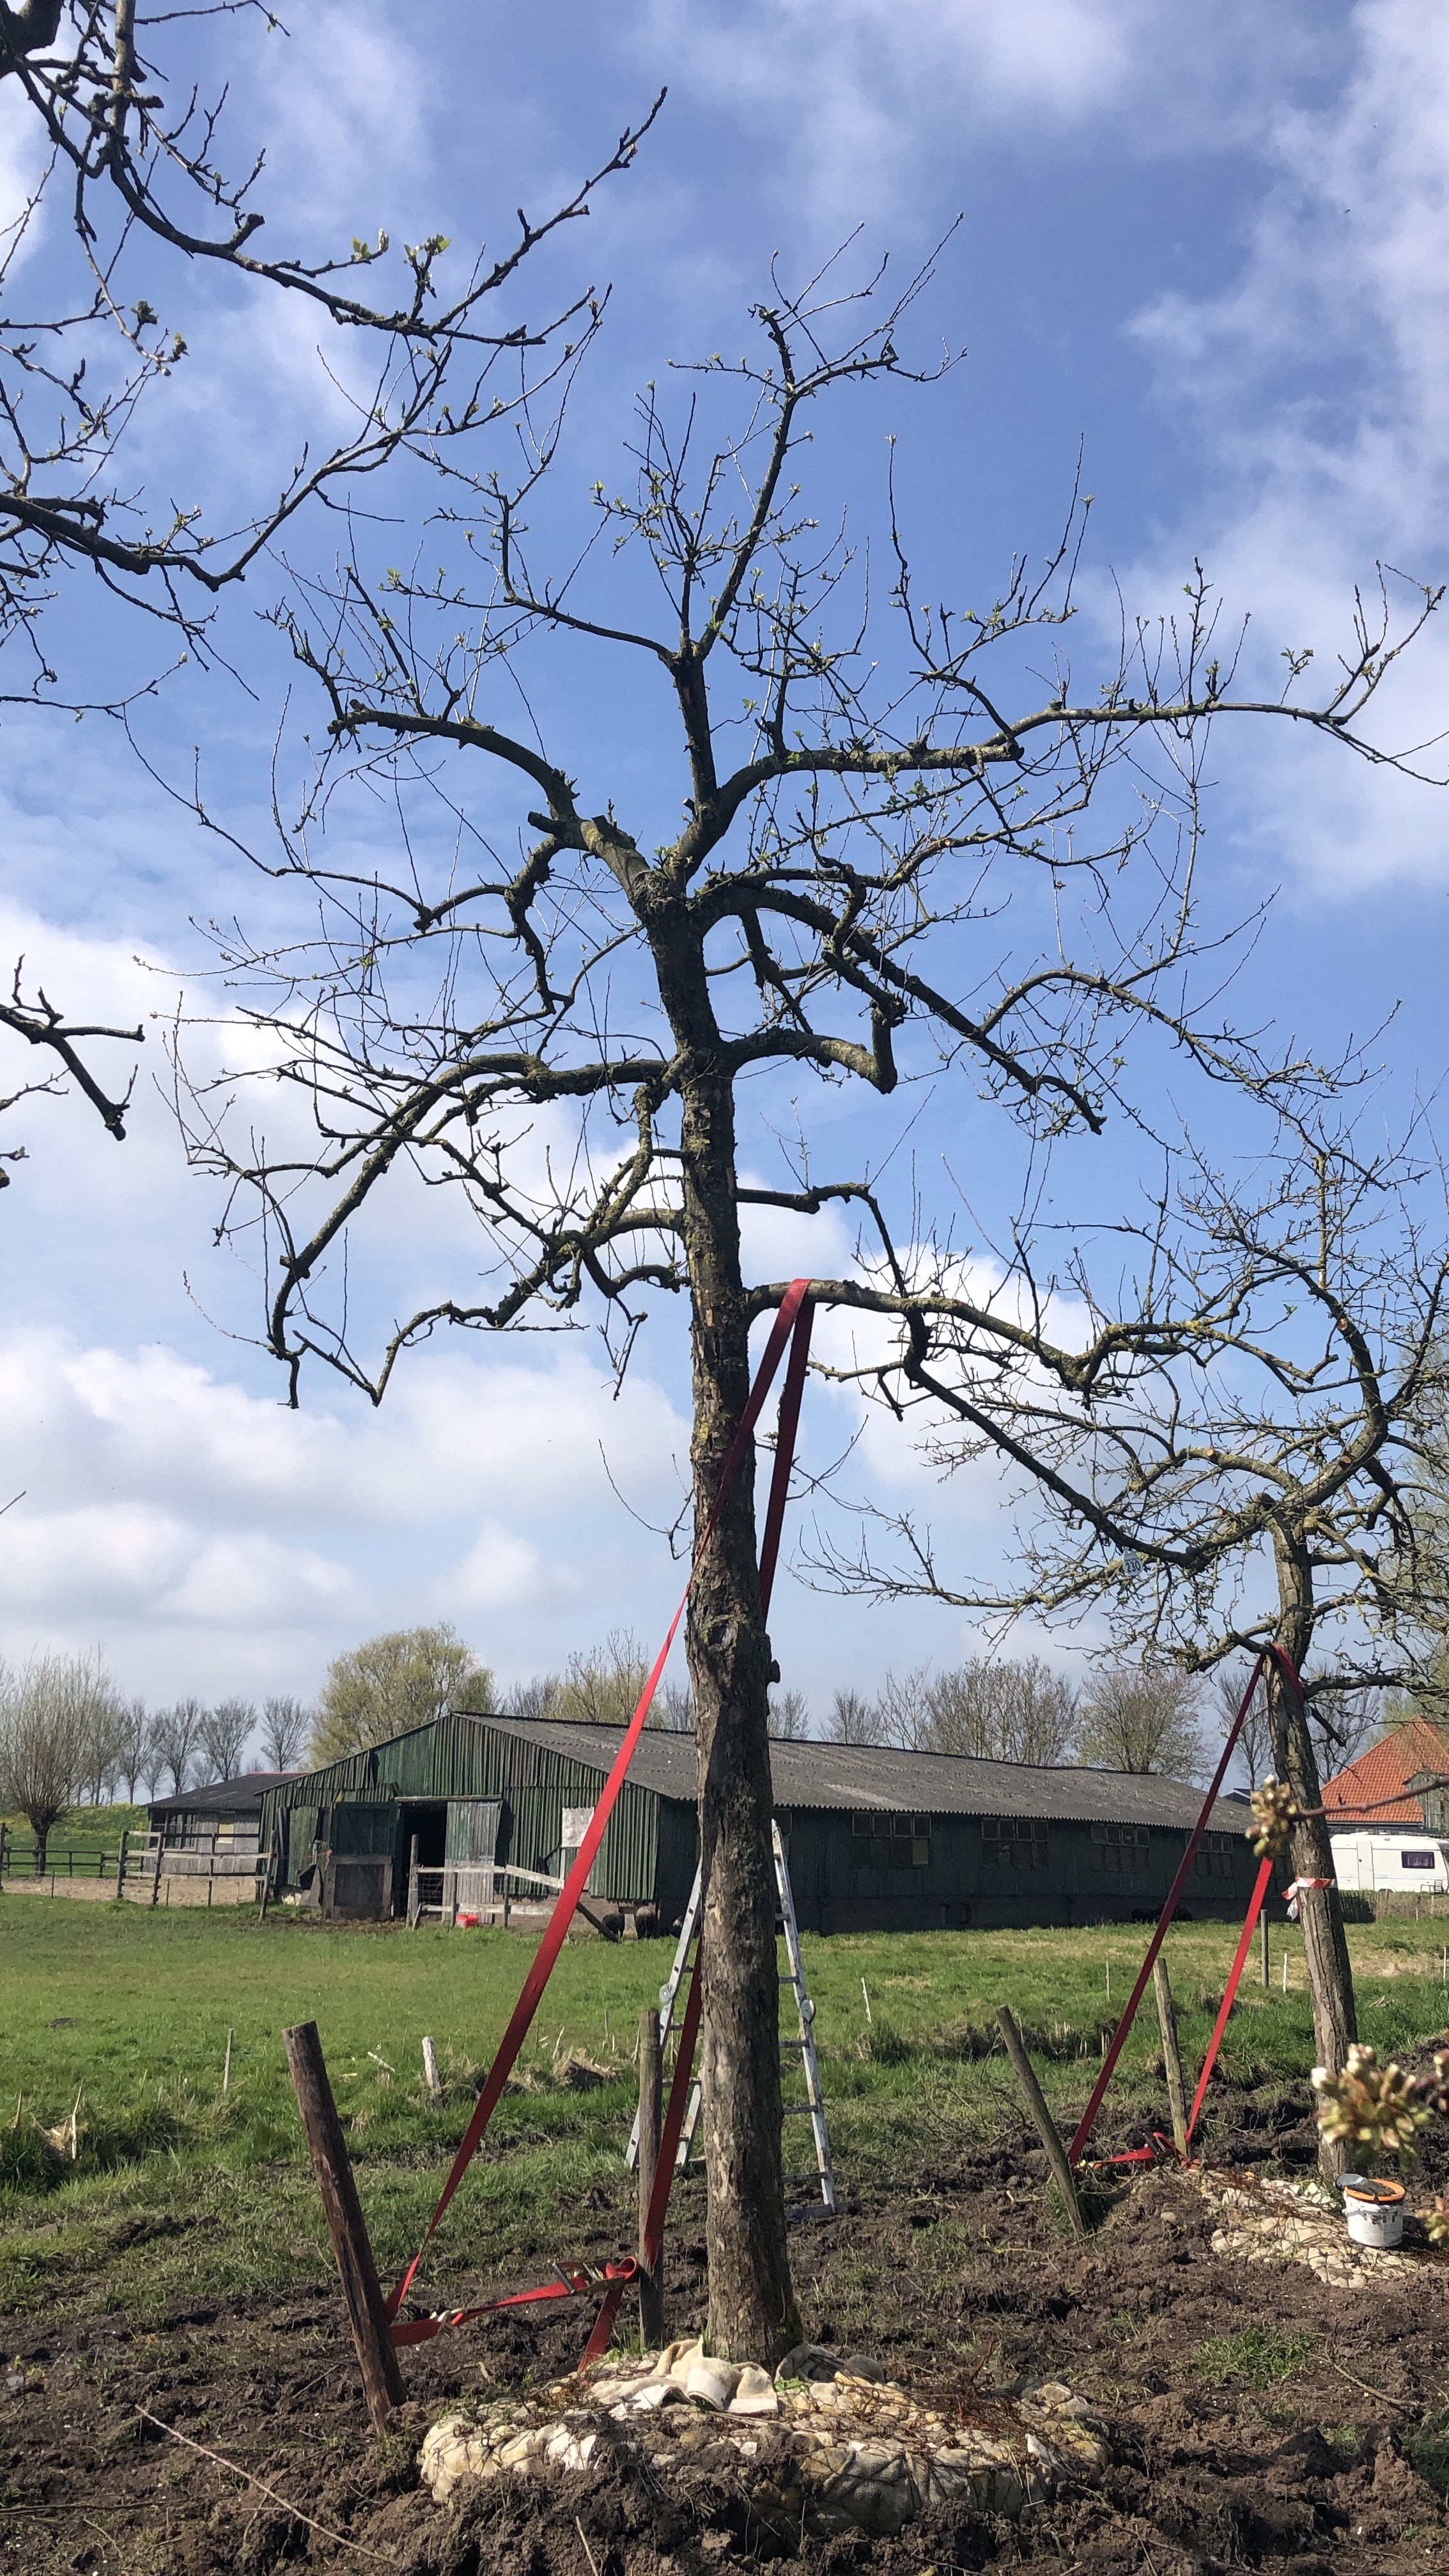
[(752, 2311), (1325, 1947)]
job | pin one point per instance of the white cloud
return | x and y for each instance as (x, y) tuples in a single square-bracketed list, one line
[(871, 98), (1319, 381), (346, 111), (502, 1571), (203, 1530)]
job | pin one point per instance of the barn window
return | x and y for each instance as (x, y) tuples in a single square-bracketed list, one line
[(1119, 1847), (1014, 1842), (888, 1841), (1214, 1857)]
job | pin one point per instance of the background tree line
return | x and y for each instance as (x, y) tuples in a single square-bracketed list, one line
[(70, 1737), (1141, 1717)]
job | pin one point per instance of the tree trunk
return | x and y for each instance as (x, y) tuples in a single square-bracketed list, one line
[(752, 2312), (1325, 1948)]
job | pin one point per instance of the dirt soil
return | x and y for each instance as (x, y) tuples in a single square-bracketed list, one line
[(1294, 2452)]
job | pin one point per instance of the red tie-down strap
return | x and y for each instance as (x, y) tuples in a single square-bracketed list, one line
[(793, 1320), (1084, 2126), (1230, 1991), (572, 2281)]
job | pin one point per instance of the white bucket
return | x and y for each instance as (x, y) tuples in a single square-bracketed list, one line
[(1374, 2211)]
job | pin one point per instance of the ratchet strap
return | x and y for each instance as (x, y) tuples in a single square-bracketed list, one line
[(1273, 1654)]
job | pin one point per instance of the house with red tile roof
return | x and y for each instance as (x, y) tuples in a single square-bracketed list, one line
[(1376, 1823)]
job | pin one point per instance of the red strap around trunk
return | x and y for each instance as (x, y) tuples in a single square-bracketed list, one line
[(793, 1317)]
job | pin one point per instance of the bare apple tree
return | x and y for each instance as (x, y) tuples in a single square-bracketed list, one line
[(569, 1035), (131, 180), (1239, 1445)]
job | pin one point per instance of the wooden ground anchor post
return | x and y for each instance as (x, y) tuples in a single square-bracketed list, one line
[(1046, 2127), (1171, 2054), (651, 2085), (366, 2313)]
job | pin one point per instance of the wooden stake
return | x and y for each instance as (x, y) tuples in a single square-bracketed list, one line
[(1263, 1929), (1046, 2126), (651, 2085), (413, 1898), (1171, 2054), (366, 2314), (430, 2075), (226, 2070)]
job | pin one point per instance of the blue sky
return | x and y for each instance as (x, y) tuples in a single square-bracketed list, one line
[(1210, 248)]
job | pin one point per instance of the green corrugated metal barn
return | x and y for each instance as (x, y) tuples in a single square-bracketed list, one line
[(877, 1839)]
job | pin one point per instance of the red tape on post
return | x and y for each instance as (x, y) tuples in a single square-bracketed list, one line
[(1119, 2042), (793, 1316)]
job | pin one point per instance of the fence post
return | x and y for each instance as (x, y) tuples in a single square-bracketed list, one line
[(156, 1873), (414, 1892), (366, 2313), (4, 1837), (121, 1862)]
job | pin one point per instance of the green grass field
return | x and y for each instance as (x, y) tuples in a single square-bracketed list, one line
[(130, 2010)]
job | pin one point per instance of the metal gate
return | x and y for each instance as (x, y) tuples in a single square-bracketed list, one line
[(470, 1854)]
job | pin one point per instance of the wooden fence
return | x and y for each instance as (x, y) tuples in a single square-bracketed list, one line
[(144, 1869)]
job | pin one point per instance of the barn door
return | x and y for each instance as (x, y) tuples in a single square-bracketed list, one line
[(472, 1851), (302, 1824), (362, 1835)]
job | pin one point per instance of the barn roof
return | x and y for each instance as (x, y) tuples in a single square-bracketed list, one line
[(812, 1774), (238, 1797)]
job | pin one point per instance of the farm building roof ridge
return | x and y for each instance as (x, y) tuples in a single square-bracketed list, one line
[(810, 1773)]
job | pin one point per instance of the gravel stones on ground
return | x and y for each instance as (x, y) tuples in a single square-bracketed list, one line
[(828, 2445), (1277, 2222)]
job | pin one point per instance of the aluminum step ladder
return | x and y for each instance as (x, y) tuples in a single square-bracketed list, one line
[(801, 2049)]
